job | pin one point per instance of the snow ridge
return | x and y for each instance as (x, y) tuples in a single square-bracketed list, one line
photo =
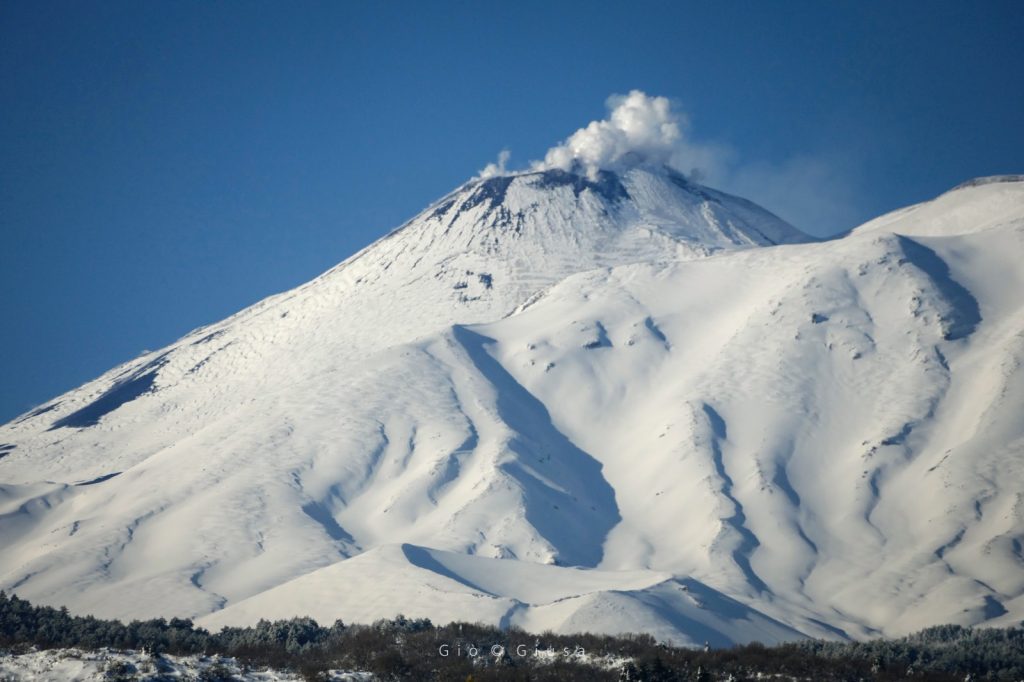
[(615, 401)]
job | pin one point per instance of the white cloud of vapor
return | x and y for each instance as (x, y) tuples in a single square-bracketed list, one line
[(810, 191), (640, 131), (496, 168)]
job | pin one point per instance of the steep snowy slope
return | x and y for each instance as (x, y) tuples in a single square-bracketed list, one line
[(974, 206), (827, 433), (456, 587), (832, 431), (474, 256), (306, 429)]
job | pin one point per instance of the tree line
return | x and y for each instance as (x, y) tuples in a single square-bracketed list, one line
[(416, 649)]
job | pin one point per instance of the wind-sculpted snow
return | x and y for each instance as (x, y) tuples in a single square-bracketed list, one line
[(565, 496), (448, 587), (789, 435), (546, 381), (138, 383)]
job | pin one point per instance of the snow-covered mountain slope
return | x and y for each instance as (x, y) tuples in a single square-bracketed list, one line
[(474, 256), (307, 406), (551, 369), (447, 587), (974, 206), (835, 428)]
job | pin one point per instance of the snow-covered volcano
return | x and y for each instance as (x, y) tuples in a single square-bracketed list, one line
[(742, 434)]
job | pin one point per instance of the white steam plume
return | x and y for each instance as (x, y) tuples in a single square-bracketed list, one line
[(640, 131), (818, 193), (493, 169)]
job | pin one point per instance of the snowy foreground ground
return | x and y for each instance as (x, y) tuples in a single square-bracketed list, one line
[(75, 665)]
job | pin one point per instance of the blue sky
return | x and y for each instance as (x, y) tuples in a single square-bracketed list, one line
[(164, 164)]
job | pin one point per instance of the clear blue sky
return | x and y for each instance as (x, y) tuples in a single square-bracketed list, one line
[(164, 164)]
